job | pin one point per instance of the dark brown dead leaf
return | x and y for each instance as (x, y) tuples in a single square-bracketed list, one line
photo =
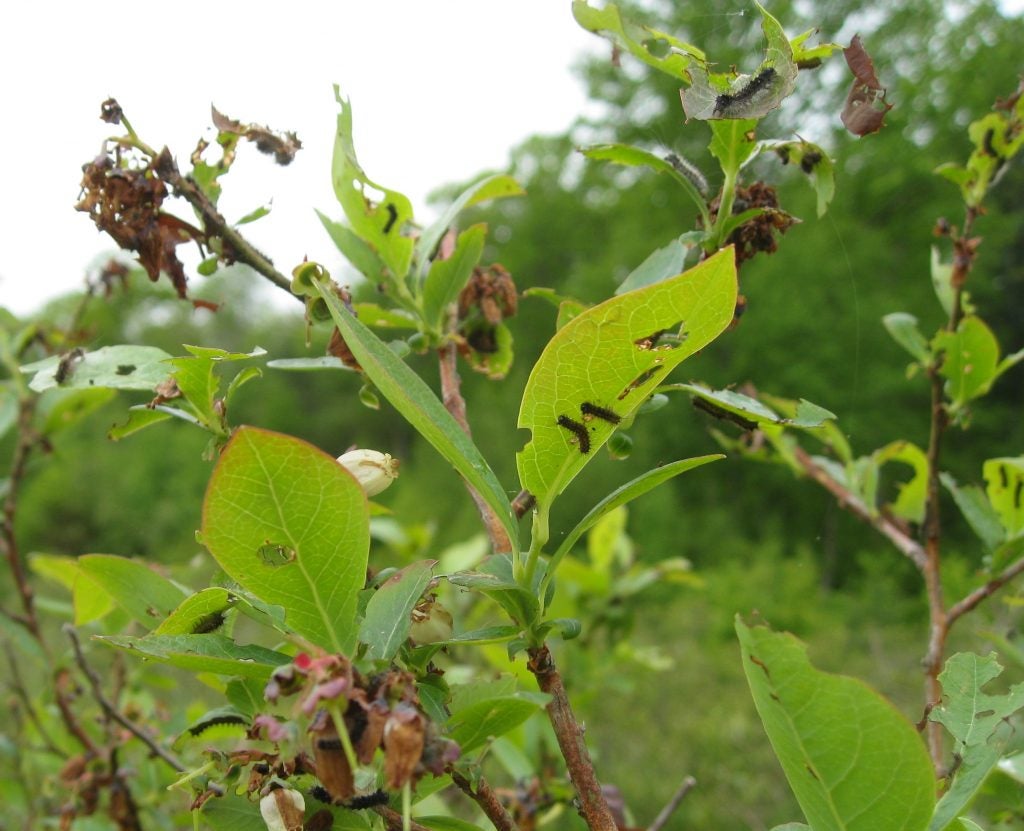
[(865, 108), (339, 349)]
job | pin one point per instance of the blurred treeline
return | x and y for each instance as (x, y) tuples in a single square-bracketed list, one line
[(757, 536)]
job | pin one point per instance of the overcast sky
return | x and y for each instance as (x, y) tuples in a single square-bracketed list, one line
[(440, 91)]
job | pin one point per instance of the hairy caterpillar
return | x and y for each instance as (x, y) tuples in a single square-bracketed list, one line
[(690, 171), (756, 84), (578, 430), (594, 411)]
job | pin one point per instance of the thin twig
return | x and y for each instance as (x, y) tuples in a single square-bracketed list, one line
[(906, 544), (25, 442), (111, 711), (688, 784), (451, 395), (972, 600), (393, 819), (593, 805), (487, 799), (61, 681), (237, 246)]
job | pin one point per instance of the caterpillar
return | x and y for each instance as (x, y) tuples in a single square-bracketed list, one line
[(690, 171), (368, 800), (202, 727), (594, 411), (578, 430), (392, 217), (726, 100), (208, 623)]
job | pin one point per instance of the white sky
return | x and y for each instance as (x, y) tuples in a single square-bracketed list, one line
[(440, 89)]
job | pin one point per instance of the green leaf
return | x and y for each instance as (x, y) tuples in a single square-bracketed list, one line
[(625, 494), (977, 510), (448, 277), (378, 217), (201, 613), (487, 634), (371, 314), (660, 264), (853, 762), (657, 49), (408, 394), (139, 418), (903, 329), (910, 499), (610, 356), (814, 54), (978, 721), (253, 215), (291, 525), (692, 181), (792, 826), (245, 695), (199, 383), (203, 653), (494, 579), (970, 360), (354, 249), (492, 717), (812, 160), (494, 364), (8, 406), (732, 143), (133, 585), (1004, 482), (497, 186), (388, 614), (115, 367)]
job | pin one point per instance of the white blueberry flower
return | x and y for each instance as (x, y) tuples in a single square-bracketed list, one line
[(373, 470)]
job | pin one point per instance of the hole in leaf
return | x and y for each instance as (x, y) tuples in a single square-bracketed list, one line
[(671, 337), (275, 554), (640, 380), (125, 369)]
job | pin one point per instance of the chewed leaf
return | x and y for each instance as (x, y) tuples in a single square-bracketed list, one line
[(611, 357), (291, 525), (1004, 483), (115, 367), (713, 96), (853, 761)]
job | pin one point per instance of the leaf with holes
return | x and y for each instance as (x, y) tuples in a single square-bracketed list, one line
[(291, 525), (1004, 483), (853, 761), (978, 721), (603, 364)]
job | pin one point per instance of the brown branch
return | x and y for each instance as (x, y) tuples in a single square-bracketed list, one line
[(25, 442), (451, 395), (486, 798), (689, 783), (393, 819), (593, 805), (237, 246), (111, 711), (906, 544), (62, 680), (964, 249), (972, 600)]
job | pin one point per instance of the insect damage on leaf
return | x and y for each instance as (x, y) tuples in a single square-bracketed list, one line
[(732, 102), (578, 430)]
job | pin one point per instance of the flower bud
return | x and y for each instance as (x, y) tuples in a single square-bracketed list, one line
[(373, 470), (283, 810)]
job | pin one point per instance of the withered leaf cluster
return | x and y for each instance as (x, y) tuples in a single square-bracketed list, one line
[(125, 202), (865, 108), (758, 234), (489, 298)]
